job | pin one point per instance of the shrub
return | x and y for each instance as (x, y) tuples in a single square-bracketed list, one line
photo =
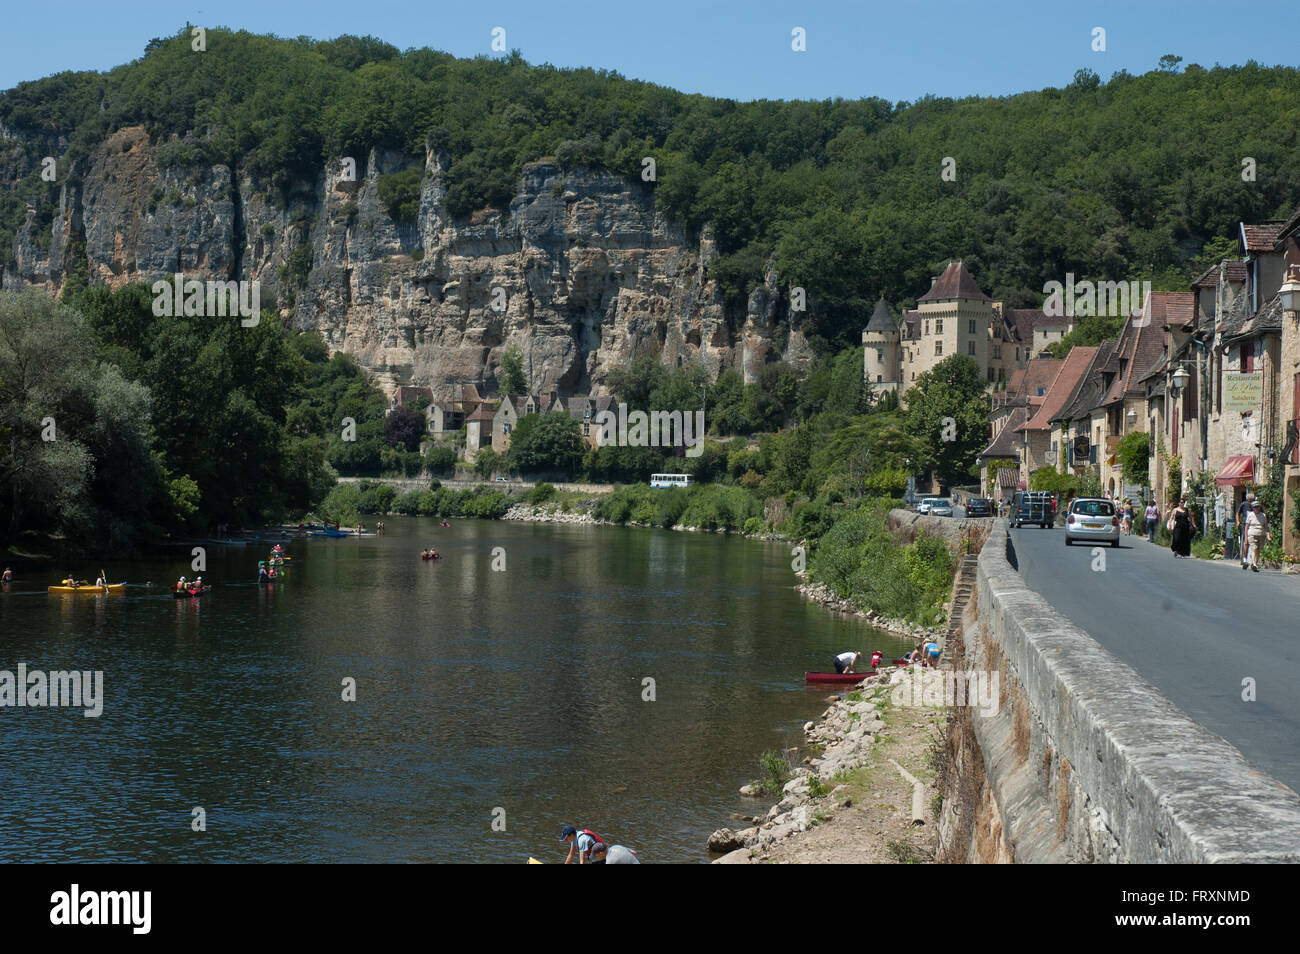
[(541, 493), (754, 525)]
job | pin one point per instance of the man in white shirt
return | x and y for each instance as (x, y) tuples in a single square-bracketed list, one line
[(847, 662)]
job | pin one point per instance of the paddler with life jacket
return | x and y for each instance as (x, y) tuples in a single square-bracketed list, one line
[(262, 576), (581, 843)]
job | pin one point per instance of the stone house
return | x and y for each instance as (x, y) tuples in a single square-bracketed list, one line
[(1039, 446), (478, 430), (1288, 243)]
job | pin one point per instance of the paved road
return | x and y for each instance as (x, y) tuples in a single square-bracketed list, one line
[(1195, 629)]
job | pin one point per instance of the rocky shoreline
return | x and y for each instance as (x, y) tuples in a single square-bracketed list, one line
[(827, 792), (823, 594)]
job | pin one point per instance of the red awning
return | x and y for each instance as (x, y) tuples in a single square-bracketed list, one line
[(1237, 471)]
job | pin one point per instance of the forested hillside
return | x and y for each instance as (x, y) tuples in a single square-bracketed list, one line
[(1127, 178)]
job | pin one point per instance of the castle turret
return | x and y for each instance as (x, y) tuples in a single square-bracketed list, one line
[(880, 350)]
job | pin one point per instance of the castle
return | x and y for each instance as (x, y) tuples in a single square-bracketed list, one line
[(954, 317)]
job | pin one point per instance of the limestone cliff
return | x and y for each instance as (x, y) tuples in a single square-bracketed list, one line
[(591, 275)]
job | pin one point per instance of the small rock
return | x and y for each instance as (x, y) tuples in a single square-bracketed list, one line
[(738, 857), (749, 791), (724, 840)]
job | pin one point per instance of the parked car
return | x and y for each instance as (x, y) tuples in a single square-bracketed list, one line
[(941, 508), (1033, 506), (501, 480), (1091, 518), (925, 505), (979, 507)]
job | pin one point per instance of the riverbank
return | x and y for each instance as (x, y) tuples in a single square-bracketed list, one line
[(849, 803)]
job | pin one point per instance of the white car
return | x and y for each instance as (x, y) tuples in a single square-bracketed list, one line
[(941, 508), (1092, 519), (925, 505)]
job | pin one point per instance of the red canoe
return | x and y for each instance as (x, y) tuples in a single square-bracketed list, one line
[(840, 677)]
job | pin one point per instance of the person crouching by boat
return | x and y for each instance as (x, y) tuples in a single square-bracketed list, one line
[(847, 662), (876, 656), (580, 842), (932, 654), (613, 855)]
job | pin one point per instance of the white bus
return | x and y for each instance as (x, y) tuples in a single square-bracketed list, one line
[(671, 480)]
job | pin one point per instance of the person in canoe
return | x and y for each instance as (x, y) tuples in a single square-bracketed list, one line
[(847, 662), (8, 576), (262, 575), (583, 843), (100, 582)]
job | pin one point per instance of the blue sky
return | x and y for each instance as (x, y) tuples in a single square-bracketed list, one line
[(898, 50)]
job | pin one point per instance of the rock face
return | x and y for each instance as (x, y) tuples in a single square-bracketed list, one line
[(582, 274)]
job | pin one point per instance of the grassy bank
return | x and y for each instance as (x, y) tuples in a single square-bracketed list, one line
[(859, 558)]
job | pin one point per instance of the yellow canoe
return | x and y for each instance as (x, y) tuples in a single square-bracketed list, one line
[(112, 588)]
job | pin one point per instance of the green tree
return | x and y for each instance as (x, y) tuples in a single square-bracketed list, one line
[(545, 443), (948, 410), (1134, 453), (511, 376)]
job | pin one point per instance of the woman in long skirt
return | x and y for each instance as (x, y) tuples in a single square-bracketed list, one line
[(1182, 545)]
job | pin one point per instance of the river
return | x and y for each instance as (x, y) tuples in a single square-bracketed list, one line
[(492, 705)]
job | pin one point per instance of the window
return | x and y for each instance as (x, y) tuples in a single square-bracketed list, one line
[(970, 348), (938, 326), (927, 326), (880, 355), (997, 351), (1247, 357), (938, 347), (879, 378)]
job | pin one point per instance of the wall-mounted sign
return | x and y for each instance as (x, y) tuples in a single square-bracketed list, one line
[(1243, 392)]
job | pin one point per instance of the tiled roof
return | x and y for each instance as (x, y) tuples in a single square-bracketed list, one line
[(1090, 386), (484, 413), (1260, 238), (1006, 442), (1141, 343), (1233, 271), (1265, 321), (1073, 367), (1290, 225), (955, 282), (1040, 374), (1235, 317), (912, 325), (882, 319)]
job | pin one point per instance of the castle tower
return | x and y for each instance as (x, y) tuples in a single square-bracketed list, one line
[(880, 350), (954, 316)]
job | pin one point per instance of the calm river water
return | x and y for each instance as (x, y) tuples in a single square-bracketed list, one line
[(513, 696)]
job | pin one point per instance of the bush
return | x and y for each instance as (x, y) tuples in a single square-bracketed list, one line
[(541, 493), (754, 525)]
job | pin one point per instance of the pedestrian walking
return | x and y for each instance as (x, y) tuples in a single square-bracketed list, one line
[(1243, 512), (1180, 525), (1127, 522), (1257, 533), (1153, 517)]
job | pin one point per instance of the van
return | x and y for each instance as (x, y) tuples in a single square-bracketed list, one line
[(1033, 506)]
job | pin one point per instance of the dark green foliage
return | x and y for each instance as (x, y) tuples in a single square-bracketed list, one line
[(400, 193), (511, 376), (710, 507), (546, 443)]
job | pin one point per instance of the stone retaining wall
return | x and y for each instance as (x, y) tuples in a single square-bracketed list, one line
[(1084, 760)]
